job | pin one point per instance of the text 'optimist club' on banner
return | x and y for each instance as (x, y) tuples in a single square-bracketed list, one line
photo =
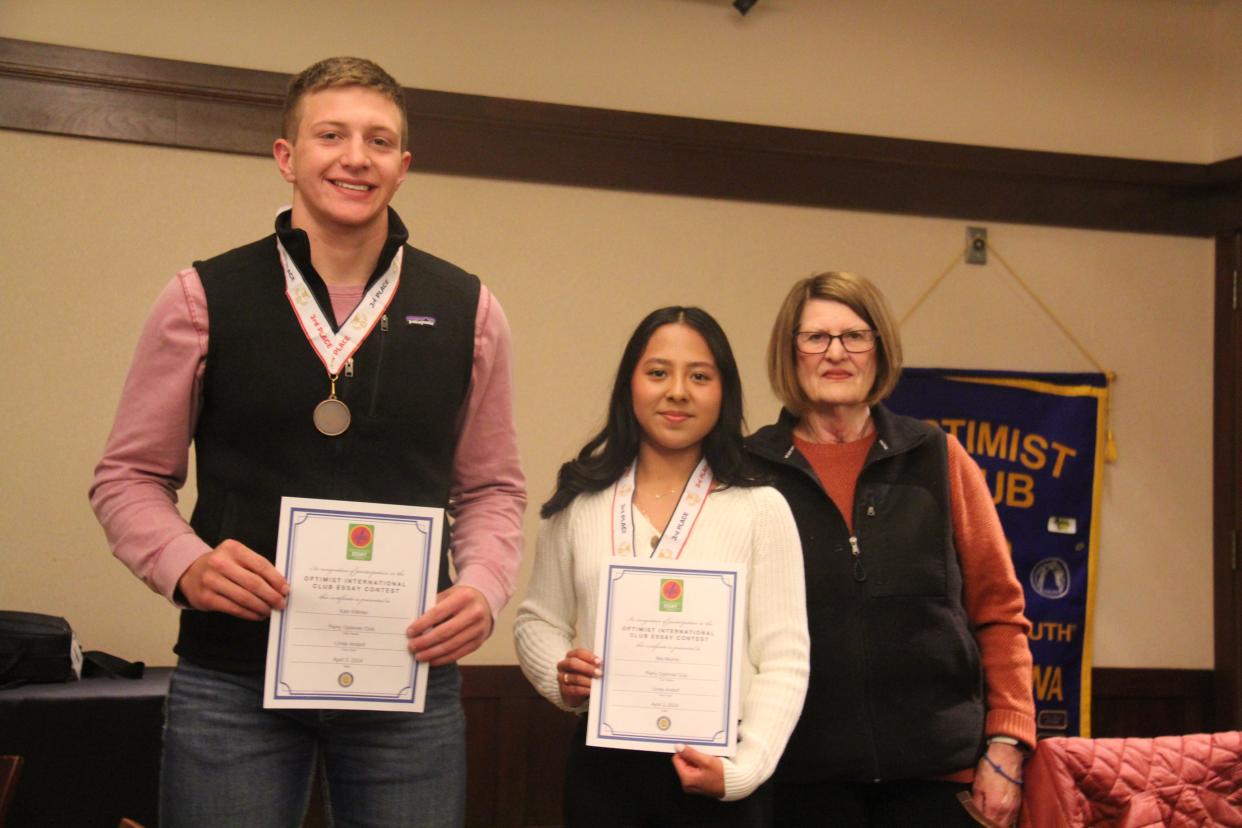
[(1039, 439)]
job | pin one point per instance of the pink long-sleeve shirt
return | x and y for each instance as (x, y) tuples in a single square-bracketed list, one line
[(134, 493)]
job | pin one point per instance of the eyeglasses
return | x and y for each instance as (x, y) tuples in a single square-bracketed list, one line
[(818, 342)]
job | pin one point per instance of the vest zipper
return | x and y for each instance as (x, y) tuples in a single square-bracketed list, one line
[(860, 576), (860, 572), (379, 362)]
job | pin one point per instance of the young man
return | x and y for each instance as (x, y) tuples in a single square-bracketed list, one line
[(420, 413)]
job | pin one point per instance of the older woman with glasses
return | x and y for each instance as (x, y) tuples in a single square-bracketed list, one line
[(919, 705)]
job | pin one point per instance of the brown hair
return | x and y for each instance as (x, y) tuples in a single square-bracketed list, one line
[(860, 296), (335, 72)]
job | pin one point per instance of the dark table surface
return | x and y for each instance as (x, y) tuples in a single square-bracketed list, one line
[(92, 749)]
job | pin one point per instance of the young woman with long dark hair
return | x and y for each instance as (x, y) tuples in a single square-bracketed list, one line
[(673, 438)]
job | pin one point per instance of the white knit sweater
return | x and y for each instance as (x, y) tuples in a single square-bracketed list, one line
[(746, 525)]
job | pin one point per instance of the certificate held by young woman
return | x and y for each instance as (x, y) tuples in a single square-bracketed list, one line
[(670, 637)]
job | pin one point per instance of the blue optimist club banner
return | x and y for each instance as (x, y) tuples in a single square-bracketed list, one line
[(1039, 439)]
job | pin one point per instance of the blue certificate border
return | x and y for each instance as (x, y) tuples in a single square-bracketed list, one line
[(613, 573), (297, 516)]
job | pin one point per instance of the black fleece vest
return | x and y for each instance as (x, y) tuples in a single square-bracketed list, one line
[(896, 686), (255, 440)]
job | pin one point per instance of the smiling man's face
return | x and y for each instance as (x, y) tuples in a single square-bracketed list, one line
[(346, 161)]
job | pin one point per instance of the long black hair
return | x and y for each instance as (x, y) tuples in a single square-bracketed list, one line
[(605, 457)]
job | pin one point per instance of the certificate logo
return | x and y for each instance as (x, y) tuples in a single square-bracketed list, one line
[(664, 723), (360, 542), (672, 590), (345, 679)]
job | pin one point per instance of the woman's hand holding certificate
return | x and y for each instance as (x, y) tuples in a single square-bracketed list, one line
[(574, 674), (699, 772)]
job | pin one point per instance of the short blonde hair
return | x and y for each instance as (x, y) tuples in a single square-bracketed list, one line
[(859, 295), (334, 73)]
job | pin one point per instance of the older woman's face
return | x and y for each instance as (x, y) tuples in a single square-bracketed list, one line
[(835, 377)]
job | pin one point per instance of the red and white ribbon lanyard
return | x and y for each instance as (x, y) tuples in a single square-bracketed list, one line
[(675, 535), (334, 348)]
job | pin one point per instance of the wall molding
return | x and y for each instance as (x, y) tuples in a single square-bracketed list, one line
[(94, 94)]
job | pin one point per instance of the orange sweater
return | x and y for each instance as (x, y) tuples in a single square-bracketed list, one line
[(992, 594)]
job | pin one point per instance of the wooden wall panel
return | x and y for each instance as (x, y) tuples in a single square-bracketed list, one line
[(516, 745), (1226, 494), (94, 94), (1146, 703), (517, 741)]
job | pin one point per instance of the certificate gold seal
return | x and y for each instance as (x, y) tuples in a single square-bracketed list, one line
[(345, 679), (664, 723)]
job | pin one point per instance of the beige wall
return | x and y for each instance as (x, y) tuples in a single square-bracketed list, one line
[(92, 230), (1130, 78), (1228, 86), (1141, 304)]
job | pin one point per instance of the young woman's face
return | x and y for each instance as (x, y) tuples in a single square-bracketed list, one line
[(676, 389)]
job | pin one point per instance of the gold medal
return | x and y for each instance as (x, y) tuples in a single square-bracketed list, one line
[(331, 416)]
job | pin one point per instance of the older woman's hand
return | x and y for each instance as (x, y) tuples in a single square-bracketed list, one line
[(996, 797), (574, 673)]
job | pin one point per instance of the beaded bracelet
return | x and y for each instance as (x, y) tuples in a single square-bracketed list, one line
[(1001, 770)]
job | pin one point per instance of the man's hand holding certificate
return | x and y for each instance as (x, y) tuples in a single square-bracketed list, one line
[(670, 636), (358, 574)]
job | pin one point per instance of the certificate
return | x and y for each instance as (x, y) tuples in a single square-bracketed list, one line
[(670, 637), (358, 574)]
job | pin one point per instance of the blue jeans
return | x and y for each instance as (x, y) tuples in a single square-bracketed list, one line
[(229, 762)]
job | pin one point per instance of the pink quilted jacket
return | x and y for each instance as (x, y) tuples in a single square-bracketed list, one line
[(1134, 783)]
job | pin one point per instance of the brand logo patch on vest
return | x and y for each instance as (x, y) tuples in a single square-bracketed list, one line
[(672, 590), (413, 319), (360, 542)]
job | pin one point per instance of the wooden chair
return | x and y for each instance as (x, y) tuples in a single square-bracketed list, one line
[(10, 772)]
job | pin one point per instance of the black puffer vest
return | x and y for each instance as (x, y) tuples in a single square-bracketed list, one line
[(896, 687)]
